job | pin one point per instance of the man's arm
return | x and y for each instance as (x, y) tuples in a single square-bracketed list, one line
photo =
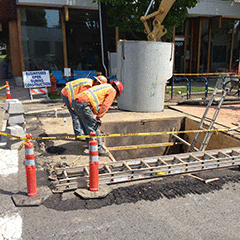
[(107, 102)]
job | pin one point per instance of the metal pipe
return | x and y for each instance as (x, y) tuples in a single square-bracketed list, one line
[(101, 35), (148, 8)]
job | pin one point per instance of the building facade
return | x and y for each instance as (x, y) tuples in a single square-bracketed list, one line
[(210, 41), (56, 34), (52, 35)]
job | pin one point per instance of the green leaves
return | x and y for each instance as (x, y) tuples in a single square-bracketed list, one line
[(126, 14)]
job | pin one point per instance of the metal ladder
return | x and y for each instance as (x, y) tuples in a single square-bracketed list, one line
[(207, 135), (71, 178)]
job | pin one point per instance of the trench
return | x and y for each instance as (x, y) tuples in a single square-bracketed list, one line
[(166, 187), (218, 140)]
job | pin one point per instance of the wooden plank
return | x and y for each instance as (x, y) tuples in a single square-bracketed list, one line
[(116, 37), (142, 146), (191, 46), (199, 44), (20, 41), (66, 13), (174, 34), (64, 40), (14, 48), (203, 180), (239, 65)]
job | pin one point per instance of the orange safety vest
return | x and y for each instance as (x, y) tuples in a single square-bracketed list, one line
[(96, 95), (74, 87)]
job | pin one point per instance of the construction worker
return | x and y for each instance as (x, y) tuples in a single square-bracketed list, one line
[(92, 104), (73, 88)]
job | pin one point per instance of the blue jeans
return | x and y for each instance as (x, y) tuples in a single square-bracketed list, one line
[(75, 121), (87, 120)]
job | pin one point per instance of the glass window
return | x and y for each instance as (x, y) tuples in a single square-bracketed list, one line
[(188, 56), (221, 45), (42, 39), (83, 41), (204, 45), (179, 54), (236, 47)]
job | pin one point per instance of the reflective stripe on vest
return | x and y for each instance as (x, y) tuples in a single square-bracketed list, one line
[(72, 86), (92, 95)]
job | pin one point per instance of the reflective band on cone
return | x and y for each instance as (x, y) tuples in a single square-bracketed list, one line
[(8, 90), (93, 164), (30, 168)]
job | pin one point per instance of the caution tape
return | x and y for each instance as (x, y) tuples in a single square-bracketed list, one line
[(62, 137), (3, 87), (75, 160), (120, 134), (81, 152), (13, 136), (23, 143), (166, 133)]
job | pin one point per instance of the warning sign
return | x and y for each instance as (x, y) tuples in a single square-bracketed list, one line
[(36, 79)]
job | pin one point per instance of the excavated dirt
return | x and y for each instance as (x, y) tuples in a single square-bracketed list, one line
[(49, 152)]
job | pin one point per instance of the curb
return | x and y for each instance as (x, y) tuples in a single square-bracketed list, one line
[(41, 101)]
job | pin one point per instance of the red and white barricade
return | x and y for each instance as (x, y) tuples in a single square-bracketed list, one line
[(37, 91)]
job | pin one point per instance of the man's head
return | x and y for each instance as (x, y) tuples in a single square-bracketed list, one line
[(100, 80), (118, 87)]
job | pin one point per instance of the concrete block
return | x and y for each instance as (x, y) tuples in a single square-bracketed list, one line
[(15, 130), (13, 144), (23, 125), (15, 119), (15, 107), (6, 106), (6, 116)]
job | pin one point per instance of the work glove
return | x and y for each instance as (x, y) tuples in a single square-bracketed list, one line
[(99, 122)]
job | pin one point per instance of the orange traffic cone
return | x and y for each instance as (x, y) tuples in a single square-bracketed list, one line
[(53, 84)]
